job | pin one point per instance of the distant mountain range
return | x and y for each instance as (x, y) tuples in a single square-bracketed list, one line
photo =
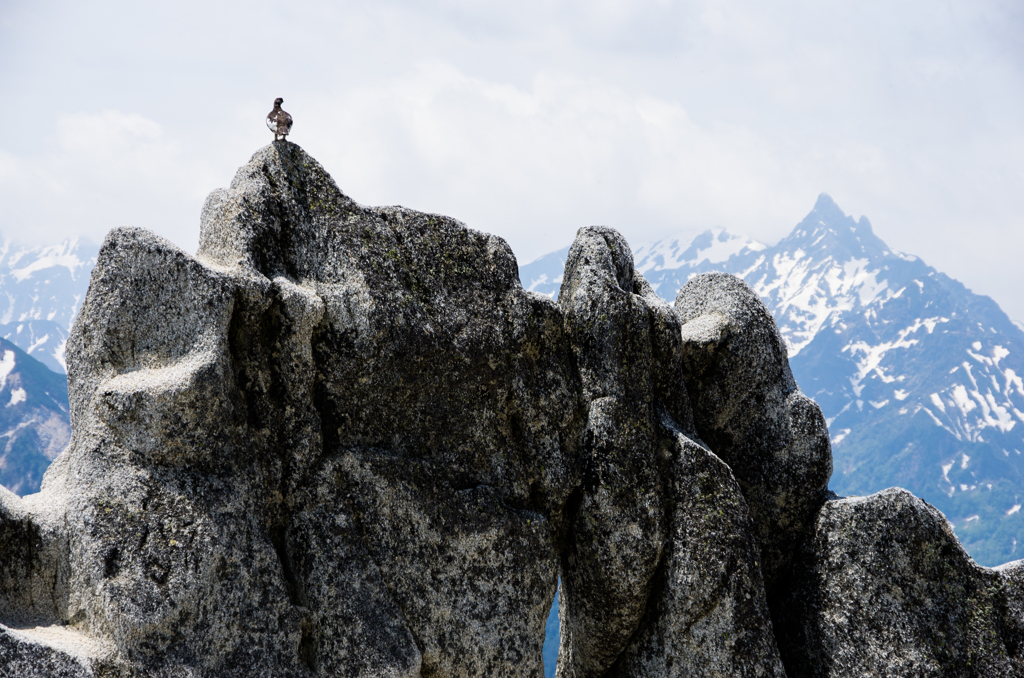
[(34, 418), (41, 290), (920, 379)]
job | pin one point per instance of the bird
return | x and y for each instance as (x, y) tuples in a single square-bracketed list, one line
[(279, 122)]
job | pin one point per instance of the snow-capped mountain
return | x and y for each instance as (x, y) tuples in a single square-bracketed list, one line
[(41, 290), (544, 275), (669, 263), (34, 418), (919, 378)]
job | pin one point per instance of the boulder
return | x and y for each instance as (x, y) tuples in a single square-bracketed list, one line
[(886, 589)]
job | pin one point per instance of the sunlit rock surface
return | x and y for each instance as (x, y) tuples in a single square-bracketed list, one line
[(748, 409), (884, 584), (343, 440)]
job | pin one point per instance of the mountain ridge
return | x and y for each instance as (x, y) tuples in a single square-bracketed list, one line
[(858, 316), (34, 418), (43, 289), (918, 376)]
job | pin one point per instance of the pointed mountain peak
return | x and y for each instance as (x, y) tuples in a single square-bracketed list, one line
[(864, 226), (828, 229), (825, 203), (829, 214)]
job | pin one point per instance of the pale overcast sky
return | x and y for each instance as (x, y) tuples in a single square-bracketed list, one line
[(531, 119)]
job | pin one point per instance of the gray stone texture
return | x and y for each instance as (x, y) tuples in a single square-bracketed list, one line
[(618, 530), (639, 589), (337, 441), (748, 409), (707, 614), (887, 590), (344, 441)]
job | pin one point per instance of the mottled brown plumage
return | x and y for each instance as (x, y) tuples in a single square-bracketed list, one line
[(279, 122)]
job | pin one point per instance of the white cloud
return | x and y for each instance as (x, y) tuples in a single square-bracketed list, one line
[(533, 161), (533, 118), (96, 171), (127, 142), (9, 166)]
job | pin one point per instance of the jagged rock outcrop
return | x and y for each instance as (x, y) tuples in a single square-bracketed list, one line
[(336, 441), (886, 589), (650, 573), (619, 528), (343, 440), (748, 409)]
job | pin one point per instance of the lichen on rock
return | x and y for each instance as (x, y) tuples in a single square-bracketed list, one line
[(748, 409), (343, 440), (886, 588)]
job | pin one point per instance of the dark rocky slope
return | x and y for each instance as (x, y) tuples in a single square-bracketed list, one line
[(344, 440), (34, 419)]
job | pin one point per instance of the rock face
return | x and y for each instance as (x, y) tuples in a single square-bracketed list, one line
[(887, 589), (343, 440), (748, 409), (649, 575), (619, 527), (707, 614), (337, 442)]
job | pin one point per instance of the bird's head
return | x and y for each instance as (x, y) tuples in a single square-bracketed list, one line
[(278, 101)]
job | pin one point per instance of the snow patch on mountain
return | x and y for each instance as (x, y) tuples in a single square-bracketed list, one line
[(712, 247), (18, 395), (34, 420), (41, 291), (920, 380)]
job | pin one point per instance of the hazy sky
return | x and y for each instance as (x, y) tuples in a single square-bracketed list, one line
[(531, 119)]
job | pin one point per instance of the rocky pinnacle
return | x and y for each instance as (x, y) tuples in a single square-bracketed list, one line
[(343, 441)]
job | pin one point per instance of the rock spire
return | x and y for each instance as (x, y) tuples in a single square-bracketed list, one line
[(343, 440)]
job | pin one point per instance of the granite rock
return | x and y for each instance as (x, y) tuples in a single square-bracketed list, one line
[(707, 614), (343, 440), (886, 589), (27, 650), (748, 409), (618, 528), (659, 568), (337, 441)]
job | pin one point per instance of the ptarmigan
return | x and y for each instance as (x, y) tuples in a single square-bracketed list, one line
[(279, 122)]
